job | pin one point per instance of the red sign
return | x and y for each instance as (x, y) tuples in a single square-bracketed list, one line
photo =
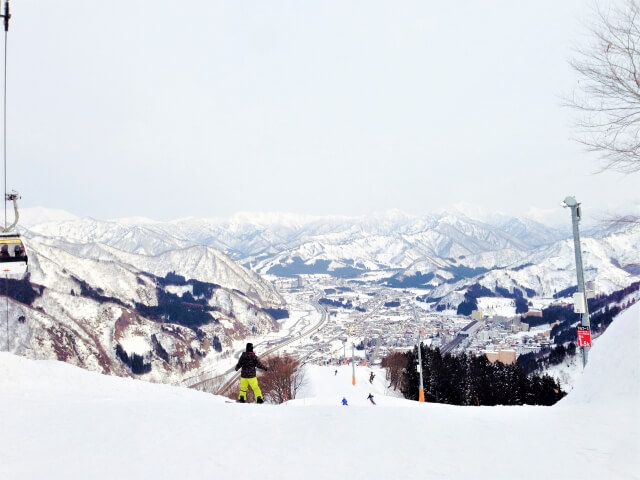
[(584, 336)]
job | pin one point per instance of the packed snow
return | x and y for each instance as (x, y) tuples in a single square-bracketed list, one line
[(60, 422), (137, 344), (492, 306)]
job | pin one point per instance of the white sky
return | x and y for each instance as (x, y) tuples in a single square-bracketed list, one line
[(169, 109)]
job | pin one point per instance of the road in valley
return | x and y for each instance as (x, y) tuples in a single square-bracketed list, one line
[(207, 383)]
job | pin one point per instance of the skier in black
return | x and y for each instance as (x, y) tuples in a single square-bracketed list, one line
[(248, 362)]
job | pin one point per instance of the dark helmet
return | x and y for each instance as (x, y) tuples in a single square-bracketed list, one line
[(249, 347)]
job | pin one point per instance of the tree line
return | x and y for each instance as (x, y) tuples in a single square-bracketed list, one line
[(135, 362), (539, 361), (603, 308), (468, 380)]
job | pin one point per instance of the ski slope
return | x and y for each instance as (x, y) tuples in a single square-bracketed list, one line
[(61, 422)]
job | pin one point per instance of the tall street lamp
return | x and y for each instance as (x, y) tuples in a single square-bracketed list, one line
[(421, 390), (580, 297)]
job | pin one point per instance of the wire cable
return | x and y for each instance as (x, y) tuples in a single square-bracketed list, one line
[(6, 280), (5, 129), (6, 16)]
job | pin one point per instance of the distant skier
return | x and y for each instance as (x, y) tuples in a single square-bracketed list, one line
[(344, 402), (248, 362), (335, 372), (370, 397), (371, 377)]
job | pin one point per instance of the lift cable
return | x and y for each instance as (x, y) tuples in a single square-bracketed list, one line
[(6, 16)]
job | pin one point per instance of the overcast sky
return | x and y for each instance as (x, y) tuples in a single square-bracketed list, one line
[(170, 109)]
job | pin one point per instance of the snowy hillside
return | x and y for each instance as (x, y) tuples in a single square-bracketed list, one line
[(62, 422), (197, 262), (612, 375), (610, 263), (447, 250), (176, 311)]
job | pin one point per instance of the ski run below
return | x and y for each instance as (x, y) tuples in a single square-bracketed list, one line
[(60, 422)]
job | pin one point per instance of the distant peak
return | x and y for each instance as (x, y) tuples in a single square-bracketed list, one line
[(132, 221), (31, 216)]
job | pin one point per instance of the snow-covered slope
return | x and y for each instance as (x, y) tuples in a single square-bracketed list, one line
[(196, 262), (87, 300), (612, 374), (61, 422)]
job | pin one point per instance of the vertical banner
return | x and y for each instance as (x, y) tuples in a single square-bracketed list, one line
[(584, 336)]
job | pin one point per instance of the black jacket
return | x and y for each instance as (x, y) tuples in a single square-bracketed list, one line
[(248, 362)]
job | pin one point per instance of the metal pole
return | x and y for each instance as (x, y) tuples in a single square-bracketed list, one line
[(575, 219), (6, 280), (421, 391), (353, 364), (6, 17)]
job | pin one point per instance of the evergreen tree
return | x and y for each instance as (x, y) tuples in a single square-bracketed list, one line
[(473, 380), (410, 383)]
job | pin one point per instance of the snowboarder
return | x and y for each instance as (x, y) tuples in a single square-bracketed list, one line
[(335, 372), (371, 377), (344, 402), (370, 397), (248, 362)]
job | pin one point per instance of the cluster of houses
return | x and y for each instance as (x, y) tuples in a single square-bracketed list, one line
[(388, 320)]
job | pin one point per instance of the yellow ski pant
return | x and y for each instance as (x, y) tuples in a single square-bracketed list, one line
[(245, 383)]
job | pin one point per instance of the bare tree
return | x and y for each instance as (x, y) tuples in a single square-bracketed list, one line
[(608, 95), (394, 363), (283, 378)]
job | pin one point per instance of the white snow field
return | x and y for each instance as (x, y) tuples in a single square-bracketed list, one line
[(61, 422)]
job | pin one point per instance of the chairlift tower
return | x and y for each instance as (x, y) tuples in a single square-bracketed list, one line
[(421, 388), (353, 364), (580, 298)]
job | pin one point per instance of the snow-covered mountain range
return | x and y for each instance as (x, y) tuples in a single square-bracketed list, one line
[(448, 250), (169, 295), (258, 235)]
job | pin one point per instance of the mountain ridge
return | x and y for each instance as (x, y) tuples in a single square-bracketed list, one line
[(180, 290)]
